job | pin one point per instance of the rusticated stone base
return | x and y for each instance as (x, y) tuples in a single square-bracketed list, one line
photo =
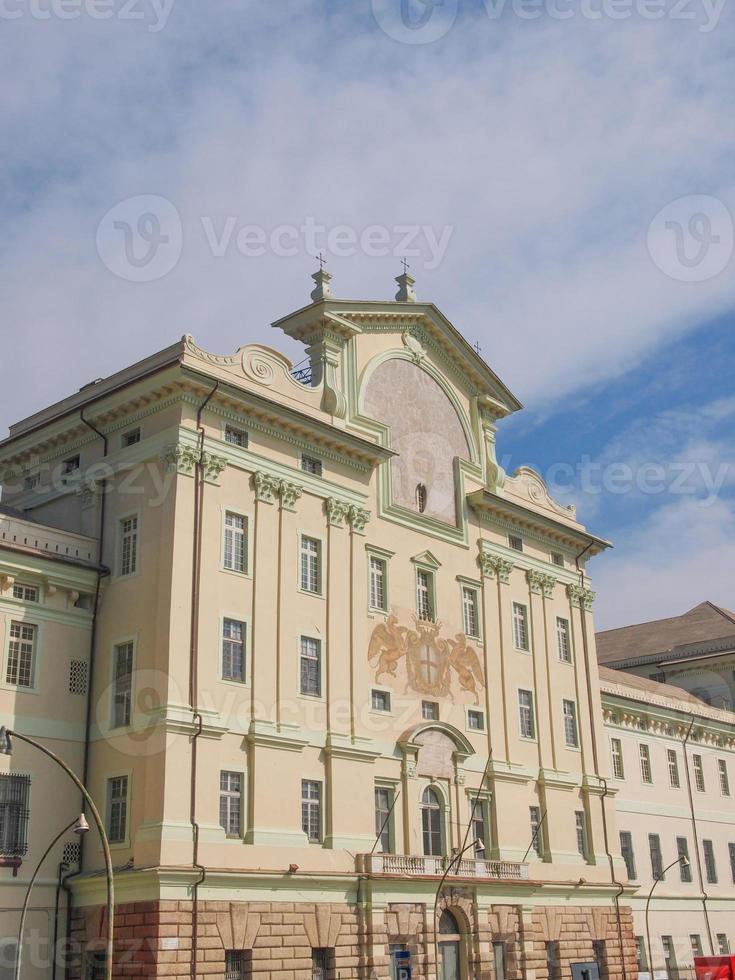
[(277, 939)]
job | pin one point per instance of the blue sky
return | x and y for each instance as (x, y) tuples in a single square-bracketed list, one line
[(563, 168)]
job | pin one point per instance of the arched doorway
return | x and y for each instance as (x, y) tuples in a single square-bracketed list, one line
[(432, 819), (452, 965)]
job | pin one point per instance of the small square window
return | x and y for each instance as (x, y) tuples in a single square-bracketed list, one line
[(309, 464), (70, 465), (557, 558), (430, 711), (131, 437), (236, 437), (515, 541), (380, 700), (475, 720), (26, 593), (31, 481)]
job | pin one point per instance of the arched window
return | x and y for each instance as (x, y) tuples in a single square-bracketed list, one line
[(421, 497), (431, 822), (448, 924)]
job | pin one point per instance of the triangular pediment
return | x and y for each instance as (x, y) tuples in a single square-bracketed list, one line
[(426, 558)]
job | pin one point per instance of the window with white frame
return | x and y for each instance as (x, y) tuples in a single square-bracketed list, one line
[(616, 751), (383, 815), (475, 720), (379, 700), (627, 853), (645, 757), (709, 861), (580, 825), (311, 809), (236, 436), (425, 594), (122, 684), (557, 558), (430, 710), (724, 777), (32, 481), (233, 650), (673, 763), (723, 944), (695, 941), (230, 803), (520, 626), (70, 465), (563, 640), (537, 838), (682, 851), (526, 714), (571, 734), (470, 615), (698, 773), (654, 849), (311, 667), (311, 562), (234, 555), (130, 437), (14, 798), (378, 569), (478, 807), (26, 593), (515, 541), (21, 666), (731, 852), (310, 464), (128, 556), (432, 822), (117, 809)]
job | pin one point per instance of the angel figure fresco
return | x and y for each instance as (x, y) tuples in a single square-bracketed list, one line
[(465, 661), (388, 646)]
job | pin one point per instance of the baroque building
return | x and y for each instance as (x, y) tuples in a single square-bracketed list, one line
[(331, 644)]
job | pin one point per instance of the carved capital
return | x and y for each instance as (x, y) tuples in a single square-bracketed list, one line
[(289, 494), (337, 511), (266, 487), (180, 459), (494, 566), (358, 518), (89, 492), (541, 582), (581, 596), (213, 466)]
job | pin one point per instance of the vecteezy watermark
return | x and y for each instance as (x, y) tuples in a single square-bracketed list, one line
[(153, 13), (691, 238), (141, 239), (425, 21)]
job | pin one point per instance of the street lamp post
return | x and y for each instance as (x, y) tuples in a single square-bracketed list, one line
[(684, 862), (456, 858), (6, 748)]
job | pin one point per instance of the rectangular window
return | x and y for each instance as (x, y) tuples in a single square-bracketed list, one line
[(26, 593), (235, 546), (526, 714), (234, 964), (537, 831), (233, 650), (230, 803), (723, 944), (616, 749), (553, 959), (499, 960), (709, 861), (731, 849), (724, 778), (70, 465), (14, 793), (571, 735), (645, 757), (475, 720), (563, 640), (698, 773), (117, 809), (682, 849), (311, 809), (380, 700), (654, 848), (311, 562), (667, 943), (581, 831), (383, 802), (599, 952), (311, 666), (130, 438), (673, 761), (32, 481), (696, 942), (515, 541), (22, 655), (479, 826), (128, 545), (122, 684), (626, 849), (310, 464), (236, 437), (470, 618), (430, 710), (425, 595), (640, 954), (557, 558), (520, 626), (319, 964), (378, 576)]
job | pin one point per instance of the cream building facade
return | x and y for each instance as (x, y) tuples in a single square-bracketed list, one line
[(334, 643)]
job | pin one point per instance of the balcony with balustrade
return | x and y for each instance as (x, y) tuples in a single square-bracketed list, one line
[(423, 866)]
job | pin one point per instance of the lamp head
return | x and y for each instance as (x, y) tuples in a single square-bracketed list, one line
[(684, 861), (479, 844), (6, 746), (81, 826)]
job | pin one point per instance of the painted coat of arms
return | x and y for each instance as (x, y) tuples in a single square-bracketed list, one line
[(430, 659)]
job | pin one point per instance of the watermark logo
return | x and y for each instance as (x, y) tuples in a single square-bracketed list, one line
[(691, 238), (415, 21), (140, 239), (153, 13)]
